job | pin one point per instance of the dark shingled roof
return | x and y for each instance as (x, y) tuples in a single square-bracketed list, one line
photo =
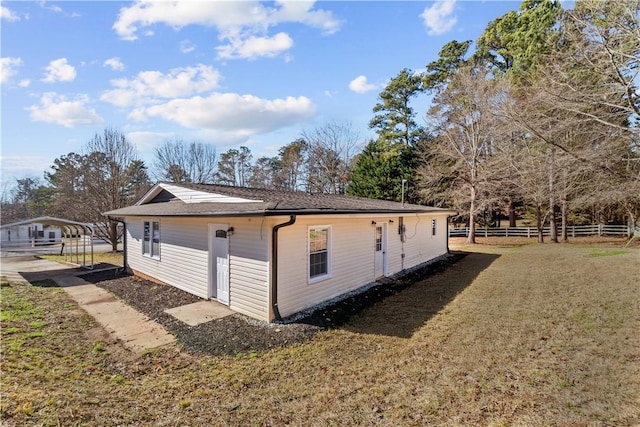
[(273, 202)]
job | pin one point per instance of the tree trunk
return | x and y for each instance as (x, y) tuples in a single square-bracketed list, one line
[(539, 223), (512, 213), (565, 222), (113, 235), (553, 233), (472, 222)]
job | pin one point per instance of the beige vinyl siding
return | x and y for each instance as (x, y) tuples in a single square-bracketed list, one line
[(352, 255), (249, 267), (419, 245), (184, 259)]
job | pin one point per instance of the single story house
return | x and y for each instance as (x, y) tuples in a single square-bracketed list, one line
[(269, 253), (29, 233)]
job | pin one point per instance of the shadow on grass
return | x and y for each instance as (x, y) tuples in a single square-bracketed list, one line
[(45, 283), (400, 315)]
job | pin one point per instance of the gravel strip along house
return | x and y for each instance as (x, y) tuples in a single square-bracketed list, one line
[(270, 254)]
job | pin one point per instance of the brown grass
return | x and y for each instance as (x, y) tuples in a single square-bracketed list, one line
[(115, 258), (519, 335)]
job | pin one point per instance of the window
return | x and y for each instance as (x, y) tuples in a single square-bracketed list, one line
[(433, 227), (319, 253), (151, 239), (378, 238)]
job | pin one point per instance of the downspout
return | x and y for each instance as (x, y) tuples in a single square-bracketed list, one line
[(125, 266), (274, 265), (448, 216)]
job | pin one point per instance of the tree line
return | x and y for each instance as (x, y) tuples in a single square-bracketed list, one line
[(541, 119)]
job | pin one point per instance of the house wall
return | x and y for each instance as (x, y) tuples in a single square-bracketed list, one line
[(184, 259), (419, 245), (184, 256), (19, 235), (352, 255)]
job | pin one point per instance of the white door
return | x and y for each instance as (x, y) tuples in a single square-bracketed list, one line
[(219, 263), (380, 247)]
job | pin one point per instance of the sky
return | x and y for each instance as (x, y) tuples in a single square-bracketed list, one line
[(229, 73)]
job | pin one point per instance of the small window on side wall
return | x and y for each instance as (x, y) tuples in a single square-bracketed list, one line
[(433, 227), (151, 239), (319, 253)]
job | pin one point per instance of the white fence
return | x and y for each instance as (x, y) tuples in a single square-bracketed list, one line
[(572, 231)]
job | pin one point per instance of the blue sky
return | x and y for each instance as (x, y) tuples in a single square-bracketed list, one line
[(226, 73)]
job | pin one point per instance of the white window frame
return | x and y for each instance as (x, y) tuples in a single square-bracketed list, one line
[(326, 275), (152, 223)]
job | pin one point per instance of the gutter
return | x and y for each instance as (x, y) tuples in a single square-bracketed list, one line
[(274, 265), (125, 266)]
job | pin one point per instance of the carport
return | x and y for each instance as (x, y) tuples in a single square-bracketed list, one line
[(75, 247)]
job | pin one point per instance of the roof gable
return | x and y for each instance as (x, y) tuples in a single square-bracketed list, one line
[(164, 192)]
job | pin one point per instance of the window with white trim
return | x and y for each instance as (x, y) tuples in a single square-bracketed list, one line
[(151, 239), (378, 238), (319, 253), (433, 227)]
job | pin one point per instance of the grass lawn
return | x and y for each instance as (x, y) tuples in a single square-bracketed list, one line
[(115, 258), (530, 335)]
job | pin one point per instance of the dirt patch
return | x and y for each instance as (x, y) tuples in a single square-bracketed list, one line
[(238, 333)]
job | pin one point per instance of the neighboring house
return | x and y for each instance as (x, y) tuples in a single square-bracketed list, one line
[(28, 234), (270, 254)]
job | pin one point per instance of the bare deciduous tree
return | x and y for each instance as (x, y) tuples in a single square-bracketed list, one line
[(179, 161), (465, 126), (330, 152)]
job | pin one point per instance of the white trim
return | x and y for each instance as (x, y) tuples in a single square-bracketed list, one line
[(327, 275), (151, 254)]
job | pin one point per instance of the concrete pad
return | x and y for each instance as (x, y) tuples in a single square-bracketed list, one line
[(125, 323), (135, 330), (199, 312), (66, 281)]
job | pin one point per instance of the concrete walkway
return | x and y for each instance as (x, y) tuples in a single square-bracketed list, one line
[(135, 330)]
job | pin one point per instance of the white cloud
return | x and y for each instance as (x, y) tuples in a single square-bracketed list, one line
[(58, 9), (24, 83), (186, 46), (8, 68), (59, 71), (438, 18), (302, 11), (146, 141), (242, 24), (21, 166), (230, 113), (55, 108), (114, 63), (8, 15), (149, 86), (254, 47), (360, 85)]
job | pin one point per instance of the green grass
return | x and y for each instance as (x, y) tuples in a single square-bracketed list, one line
[(607, 252), (543, 335)]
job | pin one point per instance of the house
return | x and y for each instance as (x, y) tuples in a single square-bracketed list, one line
[(268, 253), (29, 233)]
